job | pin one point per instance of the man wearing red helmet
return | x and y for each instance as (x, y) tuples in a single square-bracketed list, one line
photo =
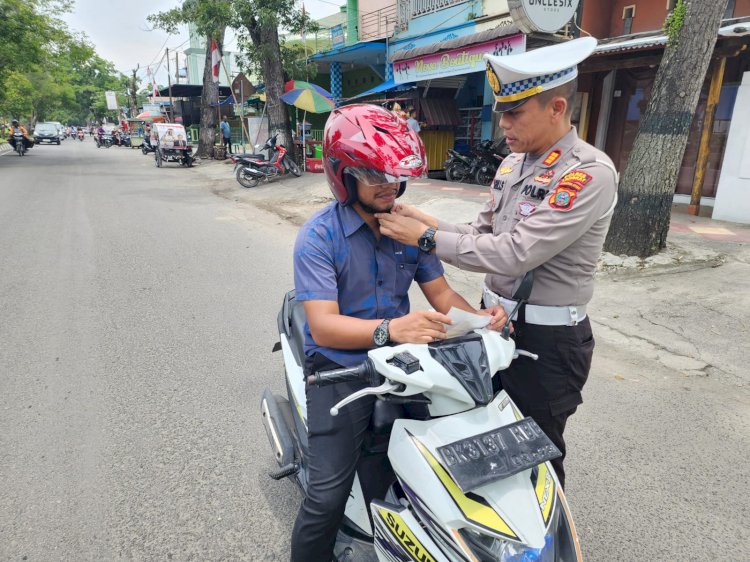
[(354, 285)]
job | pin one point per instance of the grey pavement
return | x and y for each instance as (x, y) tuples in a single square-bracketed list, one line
[(139, 312)]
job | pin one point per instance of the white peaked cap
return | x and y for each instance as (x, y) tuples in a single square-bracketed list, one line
[(516, 78)]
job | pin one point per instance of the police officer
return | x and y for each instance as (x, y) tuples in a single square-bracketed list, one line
[(549, 211)]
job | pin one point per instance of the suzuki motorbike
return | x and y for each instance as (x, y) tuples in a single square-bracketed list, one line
[(104, 140), (252, 170), (470, 481)]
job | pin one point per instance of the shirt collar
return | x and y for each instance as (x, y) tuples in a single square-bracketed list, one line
[(350, 220)]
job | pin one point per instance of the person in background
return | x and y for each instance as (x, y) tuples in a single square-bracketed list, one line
[(226, 134), (412, 121)]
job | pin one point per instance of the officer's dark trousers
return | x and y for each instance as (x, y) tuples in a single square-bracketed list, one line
[(334, 455), (549, 389)]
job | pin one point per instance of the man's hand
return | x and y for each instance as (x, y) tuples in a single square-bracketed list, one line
[(404, 229), (422, 326), (499, 317), (412, 212)]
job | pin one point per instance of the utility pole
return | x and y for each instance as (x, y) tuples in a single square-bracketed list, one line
[(169, 79), (176, 67)]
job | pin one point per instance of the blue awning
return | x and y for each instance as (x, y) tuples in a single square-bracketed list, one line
[(384, 87), (365, 53)]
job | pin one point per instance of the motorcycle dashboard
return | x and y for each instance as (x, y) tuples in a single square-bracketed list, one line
[(465, 358)]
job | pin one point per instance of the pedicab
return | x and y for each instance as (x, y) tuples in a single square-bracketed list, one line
[(171, 144)]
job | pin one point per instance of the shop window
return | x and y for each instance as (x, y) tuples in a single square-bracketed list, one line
[(628, 13)]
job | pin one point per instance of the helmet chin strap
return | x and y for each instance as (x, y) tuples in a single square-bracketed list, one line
[(370, 210)]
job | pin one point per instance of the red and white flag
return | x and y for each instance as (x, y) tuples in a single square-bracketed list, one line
[(154, 87), (215, 60)]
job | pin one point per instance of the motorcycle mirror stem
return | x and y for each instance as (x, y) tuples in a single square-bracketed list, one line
[(521, 296)]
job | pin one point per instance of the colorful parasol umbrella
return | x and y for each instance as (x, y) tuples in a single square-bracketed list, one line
[(151, 116), (302, 85), (308, 100)]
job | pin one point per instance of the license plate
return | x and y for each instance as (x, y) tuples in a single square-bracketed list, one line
[(488, 457)]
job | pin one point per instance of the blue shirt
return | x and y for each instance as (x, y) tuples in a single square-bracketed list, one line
[(338, 258), (225, 130)]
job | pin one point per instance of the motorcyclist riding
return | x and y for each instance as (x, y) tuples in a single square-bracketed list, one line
[(354, 285), (16, 128)]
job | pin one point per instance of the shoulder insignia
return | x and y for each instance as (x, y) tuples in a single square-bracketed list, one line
[(576, 177), (552, 157), (506, 170)]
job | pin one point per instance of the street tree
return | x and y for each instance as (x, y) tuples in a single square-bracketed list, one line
[(641, 219), (210, 18), (259, 22)]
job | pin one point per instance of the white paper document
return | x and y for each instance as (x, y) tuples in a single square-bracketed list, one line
[(464, 322)]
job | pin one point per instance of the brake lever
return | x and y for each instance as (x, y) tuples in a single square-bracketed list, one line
[(384, 388)]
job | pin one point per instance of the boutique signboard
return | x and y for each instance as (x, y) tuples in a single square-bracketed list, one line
[(462, 60)]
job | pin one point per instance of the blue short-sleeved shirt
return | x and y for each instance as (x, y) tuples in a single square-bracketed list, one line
[(225, 130), (338, 258)]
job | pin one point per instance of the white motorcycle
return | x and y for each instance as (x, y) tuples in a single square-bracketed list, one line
[(471, 482)]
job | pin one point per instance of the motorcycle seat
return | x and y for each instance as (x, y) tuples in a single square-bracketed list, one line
[(292, 321)]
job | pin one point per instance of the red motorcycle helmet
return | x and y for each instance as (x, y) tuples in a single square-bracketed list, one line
[(370, 143)]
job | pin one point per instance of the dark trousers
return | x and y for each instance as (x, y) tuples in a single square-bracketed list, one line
[(549, 389), (228, 144), (335, 454)]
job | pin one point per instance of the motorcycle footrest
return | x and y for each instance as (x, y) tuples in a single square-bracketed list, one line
[(284, 471)]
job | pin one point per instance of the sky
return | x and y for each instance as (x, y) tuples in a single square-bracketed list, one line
[(119, 30)]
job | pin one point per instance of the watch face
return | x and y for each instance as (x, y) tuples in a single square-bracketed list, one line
[(381, 335)]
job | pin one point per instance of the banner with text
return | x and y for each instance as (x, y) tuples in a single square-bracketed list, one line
[(462, 60)]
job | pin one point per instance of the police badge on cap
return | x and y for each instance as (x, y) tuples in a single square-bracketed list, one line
[(516, 78)]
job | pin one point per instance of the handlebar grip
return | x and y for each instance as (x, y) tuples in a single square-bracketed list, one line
[(362, 372)]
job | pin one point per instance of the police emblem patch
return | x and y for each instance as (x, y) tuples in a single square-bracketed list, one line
[(525, 208), (552, 157), (562, 198), (492, 79)]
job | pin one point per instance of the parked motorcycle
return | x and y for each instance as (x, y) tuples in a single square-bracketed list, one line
[(470, 481), (251, 171), (458, 166), (489, 155)]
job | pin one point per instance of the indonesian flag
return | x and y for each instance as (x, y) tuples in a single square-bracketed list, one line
[(215, 60), (154, 87)]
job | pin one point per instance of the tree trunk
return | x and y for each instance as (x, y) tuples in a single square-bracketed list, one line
[(641, 219), (210, 95), (134, 94), (266, 38)]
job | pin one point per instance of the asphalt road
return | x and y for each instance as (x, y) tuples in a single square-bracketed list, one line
[(138, 313)]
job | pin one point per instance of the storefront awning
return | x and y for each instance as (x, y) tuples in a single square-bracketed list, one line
[(364, 53), (386, 86)]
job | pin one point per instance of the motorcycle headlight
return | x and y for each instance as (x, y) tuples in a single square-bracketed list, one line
[(559, 544)]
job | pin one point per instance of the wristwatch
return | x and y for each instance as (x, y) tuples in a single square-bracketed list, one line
[(381, 336), (427, 241)]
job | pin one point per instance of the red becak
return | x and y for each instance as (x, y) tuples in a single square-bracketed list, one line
[(369, 143)]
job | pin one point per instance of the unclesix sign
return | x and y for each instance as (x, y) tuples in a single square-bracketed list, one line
[(454, 62), (545, 16)]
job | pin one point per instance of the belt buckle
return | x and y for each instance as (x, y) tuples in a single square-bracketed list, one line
[(573, 315)]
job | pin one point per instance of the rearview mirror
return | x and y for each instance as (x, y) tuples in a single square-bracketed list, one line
[(523, 292)]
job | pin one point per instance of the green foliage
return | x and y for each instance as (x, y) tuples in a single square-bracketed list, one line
[(48, 72), (673, 23)]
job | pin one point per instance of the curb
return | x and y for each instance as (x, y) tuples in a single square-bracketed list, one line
[(5, 147)]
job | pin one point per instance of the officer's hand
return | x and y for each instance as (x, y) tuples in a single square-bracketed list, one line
[(499, 317), (404, 229), (422, 326), (411, 211)]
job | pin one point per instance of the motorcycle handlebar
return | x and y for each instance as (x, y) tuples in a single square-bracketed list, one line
[(365, 372)]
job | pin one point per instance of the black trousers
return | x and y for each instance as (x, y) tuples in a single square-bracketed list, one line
[(549, 389), (335, 454), (228, 144)]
